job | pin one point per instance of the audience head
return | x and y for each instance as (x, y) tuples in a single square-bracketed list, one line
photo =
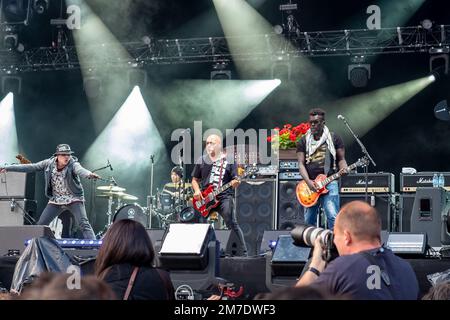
[(440, 291), (60, 286), (126, 241), (357, 228)]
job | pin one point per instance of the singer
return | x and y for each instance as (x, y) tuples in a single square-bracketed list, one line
[(62, 186), (320, 151)]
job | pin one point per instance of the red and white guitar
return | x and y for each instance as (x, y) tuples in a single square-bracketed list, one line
[(209, 201), (309, 198)]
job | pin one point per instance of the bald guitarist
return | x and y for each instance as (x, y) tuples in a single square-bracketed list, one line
[(213, 170), (320, 151)]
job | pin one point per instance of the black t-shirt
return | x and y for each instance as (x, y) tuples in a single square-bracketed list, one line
[(317, 161), (209, 173), (349, 276)]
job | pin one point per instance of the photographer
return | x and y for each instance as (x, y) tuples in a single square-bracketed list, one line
[(364, 269)]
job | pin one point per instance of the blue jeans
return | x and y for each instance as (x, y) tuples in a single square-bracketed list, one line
[(329, 203)]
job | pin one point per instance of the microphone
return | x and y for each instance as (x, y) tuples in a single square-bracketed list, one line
[(341, 117), (109, 165), (12, 205)]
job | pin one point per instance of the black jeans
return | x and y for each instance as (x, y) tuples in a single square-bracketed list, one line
[(226, 210), (78, 210)]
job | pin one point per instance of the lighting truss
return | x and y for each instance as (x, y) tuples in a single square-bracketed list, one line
[(211, 50)]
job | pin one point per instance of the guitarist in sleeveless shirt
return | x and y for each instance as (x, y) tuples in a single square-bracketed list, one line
[(214, 169), (320, 151)]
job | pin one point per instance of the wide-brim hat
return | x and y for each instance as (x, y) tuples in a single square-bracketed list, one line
[(63, 149)]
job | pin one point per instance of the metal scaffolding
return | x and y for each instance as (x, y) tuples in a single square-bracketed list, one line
[(210, 50)]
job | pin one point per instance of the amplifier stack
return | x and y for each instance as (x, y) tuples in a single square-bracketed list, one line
[(17, 202), (380, 194), (409, 183)]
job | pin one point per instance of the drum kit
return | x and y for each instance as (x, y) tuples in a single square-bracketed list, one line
[(168, 206)]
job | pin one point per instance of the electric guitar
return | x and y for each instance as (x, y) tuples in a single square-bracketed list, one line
[(309, 198), (209, 201)]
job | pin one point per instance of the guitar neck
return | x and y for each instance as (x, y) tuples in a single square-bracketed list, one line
[(337, 175)]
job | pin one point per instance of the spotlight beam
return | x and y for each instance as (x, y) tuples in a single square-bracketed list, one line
[(9, 147), (365, 111)]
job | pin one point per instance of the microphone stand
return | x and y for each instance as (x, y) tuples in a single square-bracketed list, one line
[(367, 155), (150, 197), (92, 213)]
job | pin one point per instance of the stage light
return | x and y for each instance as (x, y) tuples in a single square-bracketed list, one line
[(40, 6), (137, 77), (15, 11), (427, 24), (281, 70), (359, 74), (439, 65), (220, 72), (11, 84)]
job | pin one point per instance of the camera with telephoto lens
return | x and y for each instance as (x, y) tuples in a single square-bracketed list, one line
[(305, 236)]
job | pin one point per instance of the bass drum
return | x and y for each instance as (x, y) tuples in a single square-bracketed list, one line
[(133, 212)]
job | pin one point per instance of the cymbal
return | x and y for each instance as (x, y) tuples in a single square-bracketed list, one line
[(121, 195), (111, 188), (177, 185)]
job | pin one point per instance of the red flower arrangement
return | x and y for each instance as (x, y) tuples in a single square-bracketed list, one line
[(288, 137)]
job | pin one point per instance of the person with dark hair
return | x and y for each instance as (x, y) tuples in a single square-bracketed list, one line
[(63, 187), (125, 262), (214, 168), (321, 151), (364, 269), (440, 291)]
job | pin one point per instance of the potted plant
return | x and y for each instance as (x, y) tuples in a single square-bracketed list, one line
[(284, 141)]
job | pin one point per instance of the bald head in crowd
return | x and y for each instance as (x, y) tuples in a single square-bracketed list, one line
[(357, 228)]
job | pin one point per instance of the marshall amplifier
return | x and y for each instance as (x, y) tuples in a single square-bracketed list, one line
[(410, 182), (288, 165), (382, 182)]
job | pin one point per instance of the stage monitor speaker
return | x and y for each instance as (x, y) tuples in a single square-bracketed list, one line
[(381, 202), (270, 238), (255, 208), (229, 243), (12, 238), (12, 211), (185, 246), (17, 185), (429, 215), (290, 211)]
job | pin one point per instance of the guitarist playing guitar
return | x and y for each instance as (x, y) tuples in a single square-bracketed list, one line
[(216, 169), (320, 151)]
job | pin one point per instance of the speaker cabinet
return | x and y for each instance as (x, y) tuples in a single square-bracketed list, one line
[(12, 211), (290, 211), (255, 208), (229, 243), (14, 237), (268, 237), (429, 215), (406, 207), (383, 204)]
